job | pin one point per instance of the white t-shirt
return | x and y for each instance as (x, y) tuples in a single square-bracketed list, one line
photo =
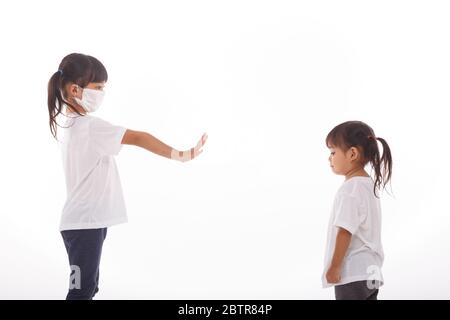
[(357, 210), (94, 192)]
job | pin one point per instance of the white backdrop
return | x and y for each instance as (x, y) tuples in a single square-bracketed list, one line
[(266, 80)]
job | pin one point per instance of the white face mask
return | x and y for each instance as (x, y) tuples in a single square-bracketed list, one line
[(91, 99)]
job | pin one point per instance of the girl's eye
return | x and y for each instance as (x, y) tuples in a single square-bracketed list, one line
[(332, 153)]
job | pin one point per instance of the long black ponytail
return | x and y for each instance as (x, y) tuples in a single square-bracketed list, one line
[(75, 68), (359, 135)]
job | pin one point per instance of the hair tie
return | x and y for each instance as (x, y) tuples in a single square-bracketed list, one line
[(372, 137), (60, 71)]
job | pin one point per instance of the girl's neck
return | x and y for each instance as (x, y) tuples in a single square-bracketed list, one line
[(357, 172), (79, 109)]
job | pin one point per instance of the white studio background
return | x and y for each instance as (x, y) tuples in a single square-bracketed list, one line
[(266, 80)]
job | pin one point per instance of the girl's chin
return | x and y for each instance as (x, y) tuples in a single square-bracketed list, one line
[(335, 171)]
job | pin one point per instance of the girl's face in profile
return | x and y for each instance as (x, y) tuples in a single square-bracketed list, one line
[(75, 91), (342, 162)]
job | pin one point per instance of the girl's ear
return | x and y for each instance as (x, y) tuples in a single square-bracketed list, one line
[(353, 154), (73, 90)]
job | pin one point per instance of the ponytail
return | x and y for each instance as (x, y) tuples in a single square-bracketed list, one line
[(382, 166), (55, 101)]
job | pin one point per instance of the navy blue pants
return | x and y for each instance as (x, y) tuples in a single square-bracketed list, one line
[(358, 290), (84, 248)]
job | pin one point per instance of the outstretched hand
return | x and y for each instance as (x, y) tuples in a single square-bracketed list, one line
[(192, 153), (195, 152)]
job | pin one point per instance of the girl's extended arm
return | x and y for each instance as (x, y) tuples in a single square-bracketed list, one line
[(152, 144), (342, 242)]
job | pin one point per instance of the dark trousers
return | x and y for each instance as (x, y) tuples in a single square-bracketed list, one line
[(359, 290), (84, 248)]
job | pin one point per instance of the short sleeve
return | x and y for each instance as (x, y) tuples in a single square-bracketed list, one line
[(106, 138), (347, 213)]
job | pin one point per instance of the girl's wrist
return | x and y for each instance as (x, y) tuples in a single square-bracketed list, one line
[(182, 156), (336, 265)]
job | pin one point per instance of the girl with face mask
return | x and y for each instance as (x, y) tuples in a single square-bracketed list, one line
[(94, 193)]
